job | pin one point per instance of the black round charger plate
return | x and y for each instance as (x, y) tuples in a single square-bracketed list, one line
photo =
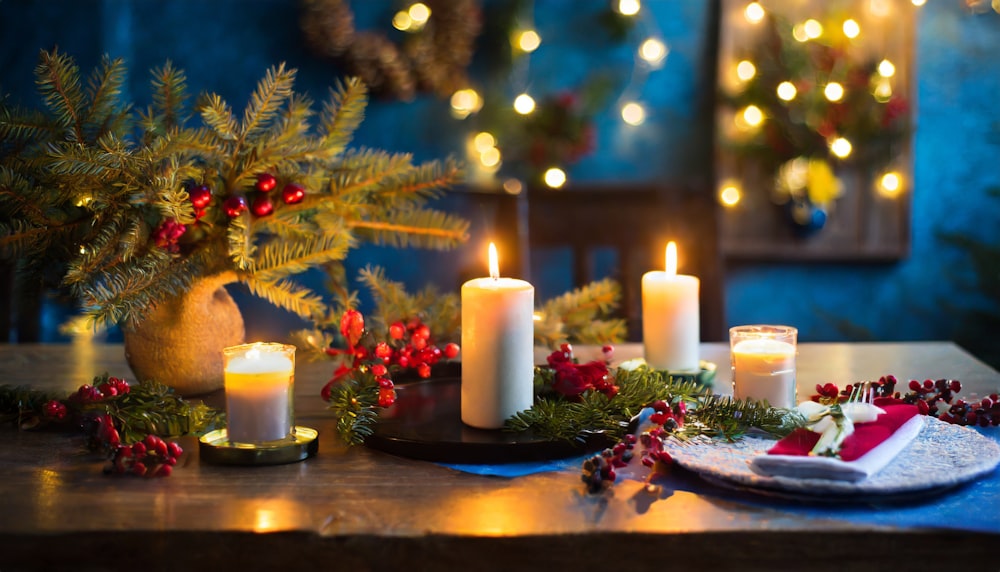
[(425, 423)]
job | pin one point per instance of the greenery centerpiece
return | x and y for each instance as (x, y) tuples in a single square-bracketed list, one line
[(128, 208)]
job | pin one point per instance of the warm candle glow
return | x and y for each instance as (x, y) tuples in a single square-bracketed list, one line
[(494, 264), (671, 265)]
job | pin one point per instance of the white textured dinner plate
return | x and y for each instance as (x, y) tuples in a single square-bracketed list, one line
[(940, 457)]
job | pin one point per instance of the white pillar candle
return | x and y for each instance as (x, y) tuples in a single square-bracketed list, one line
[(259, 381), (763, 362), (670, 325), (497, 348)]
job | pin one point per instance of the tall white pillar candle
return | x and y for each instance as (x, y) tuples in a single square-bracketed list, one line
[(763, 362), (497, 348), (670, 326), (259, 380)]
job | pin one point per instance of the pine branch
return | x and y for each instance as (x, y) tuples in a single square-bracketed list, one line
[(293, 256), (104, 90), (58, 81), (418, 228), (342, 115), (169, 95), (577, 316), (241, 245), (288, 295), (217, 115), (271, 93)]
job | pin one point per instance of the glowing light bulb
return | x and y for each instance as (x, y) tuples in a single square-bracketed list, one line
[(419, 13), (528, 41), (890, 184), (524, 104), (83, 249), (402, 21), (886, 68), (833, 91), (513, 187), (730, 195), (851, 28), (484, 141), (653, 51), (490, 157), (633, 113), (754, 12), (799, 33), (883, 91), (745, 70), (919, 3), (555, 177), (753, 115), (841, 147), (465, 102), (786, 91), (813, 28), (628, 7)]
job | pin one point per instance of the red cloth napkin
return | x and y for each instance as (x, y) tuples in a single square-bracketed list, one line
[(866, 436)]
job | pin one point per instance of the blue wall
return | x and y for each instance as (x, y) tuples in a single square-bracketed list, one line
[(225, 46)]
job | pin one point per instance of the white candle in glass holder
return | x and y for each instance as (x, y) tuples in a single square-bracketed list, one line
[(763, 364), (497, 348), (670, 324), (259, 381)]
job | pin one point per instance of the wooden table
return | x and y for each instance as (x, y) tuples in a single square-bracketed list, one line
[(354, 508)]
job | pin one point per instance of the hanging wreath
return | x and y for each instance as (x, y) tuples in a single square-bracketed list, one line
[(433, 59)]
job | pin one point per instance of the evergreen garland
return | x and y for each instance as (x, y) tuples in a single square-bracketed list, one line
[(89, 189), (553, 417), (148, 408)]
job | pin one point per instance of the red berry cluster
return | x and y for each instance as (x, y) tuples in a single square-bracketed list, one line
[(151, 457), (112, 387), (411, 346), (571, 379), (167, 234), (599, 470), (937, 398)]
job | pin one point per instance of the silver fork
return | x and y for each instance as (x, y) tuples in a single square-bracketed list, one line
[(863, 393)]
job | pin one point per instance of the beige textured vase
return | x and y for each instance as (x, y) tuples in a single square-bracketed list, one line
[(180, 344)]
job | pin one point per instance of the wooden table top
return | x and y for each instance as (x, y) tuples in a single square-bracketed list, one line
[(359, 508)]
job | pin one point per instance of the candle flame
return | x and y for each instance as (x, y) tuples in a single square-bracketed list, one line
[(671, 265), (494, 265)]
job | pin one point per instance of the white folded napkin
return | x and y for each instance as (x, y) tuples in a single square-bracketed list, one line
[(819, 467)]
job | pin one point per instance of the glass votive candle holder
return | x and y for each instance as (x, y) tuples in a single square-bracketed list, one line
[(763, 362), (259, 380)]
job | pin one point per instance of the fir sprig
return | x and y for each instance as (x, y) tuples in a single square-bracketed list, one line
[(354, 402), (553, 417)]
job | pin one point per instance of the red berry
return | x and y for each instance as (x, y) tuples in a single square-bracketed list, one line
[(262, 205), (566, 348), (266, 182), (200, 196), (418, 342), (451, 351), (403, 361), (424, 370), (386, 397), (397, 331), (382, 350), (139, 468), (293, 193), (174, 449), (928, 384), (164, 471), (152, 441), (379, 370), (170, 461), (955, 386), (234, 205), (423, 332), (607, 350), (661, 406), (54, 409), (384, 383), (138, 449)]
